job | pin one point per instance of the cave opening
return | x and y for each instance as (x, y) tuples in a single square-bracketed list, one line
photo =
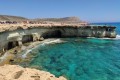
[(52, 34), (12, 44), (27, 38)]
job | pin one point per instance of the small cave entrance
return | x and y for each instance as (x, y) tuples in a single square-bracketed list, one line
[(109, 29), (27, 38), (12, 44), (52, 34)]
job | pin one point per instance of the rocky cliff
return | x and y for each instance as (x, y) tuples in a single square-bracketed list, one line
[(15, 72), (11, 37)]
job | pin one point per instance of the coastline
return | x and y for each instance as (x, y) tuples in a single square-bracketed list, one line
[(12, 54), (18, 41), (11, 60), (16, 72), (24, 51)]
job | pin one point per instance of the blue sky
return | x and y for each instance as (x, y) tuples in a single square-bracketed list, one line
[(88, 10)]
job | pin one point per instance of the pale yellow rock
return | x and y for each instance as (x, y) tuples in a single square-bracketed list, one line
[(15, 72)]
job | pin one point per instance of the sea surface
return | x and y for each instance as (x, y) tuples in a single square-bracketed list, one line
[(81, 58)]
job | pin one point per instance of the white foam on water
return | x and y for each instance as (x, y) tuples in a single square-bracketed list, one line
[(4, 56), (51, 42), (107, 38), (45, 42), (117, 38), (26, 53)]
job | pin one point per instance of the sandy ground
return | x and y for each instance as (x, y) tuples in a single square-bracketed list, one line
[(15, 72)]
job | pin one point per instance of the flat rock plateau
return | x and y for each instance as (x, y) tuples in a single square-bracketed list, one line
[(15, 72)]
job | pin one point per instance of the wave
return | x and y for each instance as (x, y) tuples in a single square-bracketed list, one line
[(51, 41), (117, 38), (26, 53), (45, 42), (3, 57)]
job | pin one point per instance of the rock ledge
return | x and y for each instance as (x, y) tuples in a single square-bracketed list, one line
[(16, 72)]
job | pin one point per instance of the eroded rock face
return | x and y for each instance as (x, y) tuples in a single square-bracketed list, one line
[(15, 72), (11, 39)]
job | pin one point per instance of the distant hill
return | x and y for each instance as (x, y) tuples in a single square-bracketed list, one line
[(11, 18), (66, 19), (17, 18)]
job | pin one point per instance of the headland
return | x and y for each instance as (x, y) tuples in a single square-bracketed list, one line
[(17, 32)]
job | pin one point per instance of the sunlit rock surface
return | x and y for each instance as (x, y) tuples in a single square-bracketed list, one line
[(15, 72)]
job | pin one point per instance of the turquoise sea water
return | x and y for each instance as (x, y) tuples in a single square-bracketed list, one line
[(81, 58)]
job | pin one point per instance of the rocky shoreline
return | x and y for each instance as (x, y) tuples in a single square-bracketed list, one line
[(16, 38), (16, 72), (14, 55), (24, 53)]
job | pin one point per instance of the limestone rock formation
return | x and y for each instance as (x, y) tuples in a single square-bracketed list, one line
[(15, 72)]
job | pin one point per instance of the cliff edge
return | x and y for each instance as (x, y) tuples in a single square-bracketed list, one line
[(15, 72)]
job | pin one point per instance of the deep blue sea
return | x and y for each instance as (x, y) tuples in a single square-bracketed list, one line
[(81, 58)]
